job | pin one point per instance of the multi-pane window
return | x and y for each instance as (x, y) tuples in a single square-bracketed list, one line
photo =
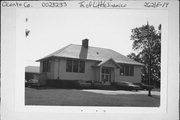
[(127, 70), (75, 66), (131, 70), (69, 66), (122, 70), (46, 66), (81, 66)]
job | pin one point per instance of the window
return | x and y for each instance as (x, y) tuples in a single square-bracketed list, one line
[(69, 66), (77, 66), (131, 70), (127, 70), (82, 67), (46, 66), (122, 70)]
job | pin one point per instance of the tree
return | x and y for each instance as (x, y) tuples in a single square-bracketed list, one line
[(134, 57), (147, 44)]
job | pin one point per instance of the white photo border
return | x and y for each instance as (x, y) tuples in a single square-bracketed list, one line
[(13, 89)]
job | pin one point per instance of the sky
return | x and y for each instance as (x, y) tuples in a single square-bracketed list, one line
[(52, 29)]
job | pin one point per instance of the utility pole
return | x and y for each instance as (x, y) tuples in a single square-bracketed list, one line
[(149, 61), (149, 73)]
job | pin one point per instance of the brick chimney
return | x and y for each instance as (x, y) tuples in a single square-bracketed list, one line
[(85, 43)]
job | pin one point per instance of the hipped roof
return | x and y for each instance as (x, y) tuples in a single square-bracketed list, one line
[(91, 53)]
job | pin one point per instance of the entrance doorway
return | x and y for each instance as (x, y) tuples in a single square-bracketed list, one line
[(106, 75)]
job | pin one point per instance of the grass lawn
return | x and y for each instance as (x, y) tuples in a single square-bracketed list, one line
[(74, 97)]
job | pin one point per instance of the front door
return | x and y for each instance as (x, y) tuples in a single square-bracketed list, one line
[(106, 74)]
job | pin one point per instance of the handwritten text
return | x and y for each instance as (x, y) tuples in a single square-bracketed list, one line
[(101, 4), (54, 4), (16, 4), (156, 4)]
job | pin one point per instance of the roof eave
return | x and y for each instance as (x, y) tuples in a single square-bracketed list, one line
[(44, 58)]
